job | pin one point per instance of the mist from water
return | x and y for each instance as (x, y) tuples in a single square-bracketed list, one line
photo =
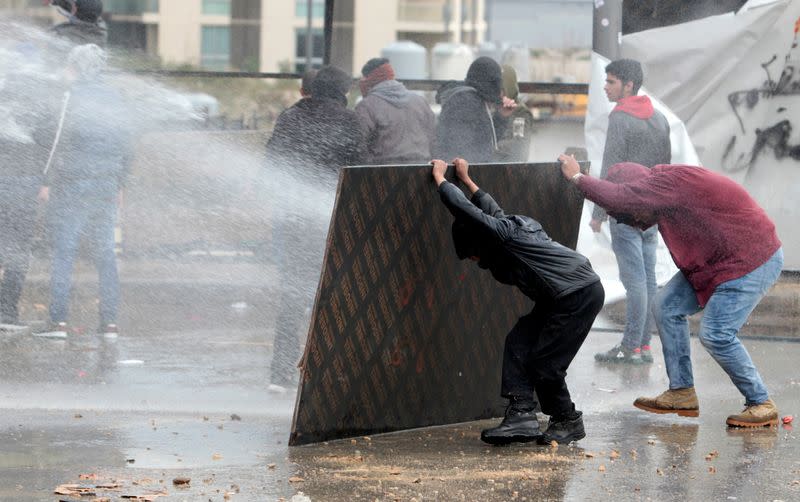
[(198, 203)]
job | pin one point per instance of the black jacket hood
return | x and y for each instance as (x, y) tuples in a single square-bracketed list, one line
[(486, 76)]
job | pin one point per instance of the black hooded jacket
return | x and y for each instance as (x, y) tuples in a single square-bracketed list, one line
[(515, 249), (316, 133), (82, 32), (467, 126), (320, 132)]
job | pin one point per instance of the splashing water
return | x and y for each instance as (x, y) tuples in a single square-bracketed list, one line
[(191, 192)]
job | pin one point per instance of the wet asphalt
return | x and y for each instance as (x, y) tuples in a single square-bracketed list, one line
[(182, 393)]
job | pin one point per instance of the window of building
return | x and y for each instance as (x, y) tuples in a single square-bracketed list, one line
[(217, 7), (317, 8), (129, 6), (317, 49), (216, 47)]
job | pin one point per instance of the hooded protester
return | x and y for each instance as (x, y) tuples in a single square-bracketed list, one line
[(515, 143), (319, 133), (85, 174), (311, 141), (398, 125), (568, 296), (468, 125), (728, 255), (84, 23)]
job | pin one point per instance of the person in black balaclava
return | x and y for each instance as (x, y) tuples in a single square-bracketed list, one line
[(84, 23), (568, 296), (474, 114)]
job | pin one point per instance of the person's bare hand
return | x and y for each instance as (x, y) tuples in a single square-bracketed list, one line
[(569, 166), (439, 168), (596, 225), (508, 106), (462, 169)]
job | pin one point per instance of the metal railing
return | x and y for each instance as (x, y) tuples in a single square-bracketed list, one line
[(415, 84)]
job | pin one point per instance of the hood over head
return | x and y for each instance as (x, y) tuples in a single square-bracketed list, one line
[(627, 172), (486, 77), (469, 242), (630, 172), (510, 83), (88, 61), (88, 11)]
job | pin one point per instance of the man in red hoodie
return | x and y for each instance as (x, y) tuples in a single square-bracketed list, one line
[(728, 255), (636, 133)]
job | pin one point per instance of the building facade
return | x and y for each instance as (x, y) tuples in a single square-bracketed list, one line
[(271, 35)]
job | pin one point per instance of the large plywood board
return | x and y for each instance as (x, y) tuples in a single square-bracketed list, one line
[(403, 334)]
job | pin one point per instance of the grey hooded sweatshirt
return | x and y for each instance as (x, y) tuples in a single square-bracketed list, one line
[(398, 125)]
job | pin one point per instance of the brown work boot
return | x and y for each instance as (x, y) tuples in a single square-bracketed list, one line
[(757, 415), (680, 401)]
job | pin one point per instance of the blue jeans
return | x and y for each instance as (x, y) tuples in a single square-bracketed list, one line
[(723, 316), (636, 258), (83, 209)]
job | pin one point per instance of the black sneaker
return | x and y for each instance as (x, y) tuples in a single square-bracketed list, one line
[(517, 427), (564, 430), (620, 354), (647, 354)]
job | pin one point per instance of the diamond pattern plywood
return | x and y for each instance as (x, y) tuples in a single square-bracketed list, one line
[(403, 334)]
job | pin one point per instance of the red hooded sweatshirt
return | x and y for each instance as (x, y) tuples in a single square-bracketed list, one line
[(714, 230), (637, 106)]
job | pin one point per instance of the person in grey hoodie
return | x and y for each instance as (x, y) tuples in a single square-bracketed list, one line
[(398, 125), (638, 133)]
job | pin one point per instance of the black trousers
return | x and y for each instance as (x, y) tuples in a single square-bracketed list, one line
[(298, 248), (17, 227), (541, 346)]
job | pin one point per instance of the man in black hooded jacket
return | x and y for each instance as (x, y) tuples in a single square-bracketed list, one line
[(474, 114), (310, 142), (319, 132), (84, 23), (568, 296)]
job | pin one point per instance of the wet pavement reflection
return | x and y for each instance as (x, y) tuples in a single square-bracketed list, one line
[(184, 395)]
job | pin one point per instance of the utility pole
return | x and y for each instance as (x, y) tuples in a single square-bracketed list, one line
[(309, 34)]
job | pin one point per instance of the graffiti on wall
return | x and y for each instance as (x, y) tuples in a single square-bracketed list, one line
[(779, 91)]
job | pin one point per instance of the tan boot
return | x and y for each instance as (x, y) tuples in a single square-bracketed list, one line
[(757, 415), (680, 401)]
